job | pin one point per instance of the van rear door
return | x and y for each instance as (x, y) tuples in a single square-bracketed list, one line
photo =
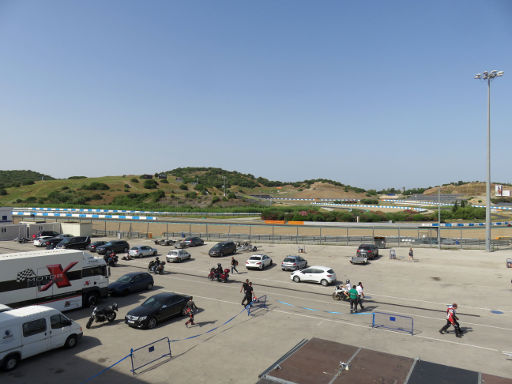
[(35, 337)]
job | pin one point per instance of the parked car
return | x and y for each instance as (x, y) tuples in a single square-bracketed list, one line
[(53, 241), (359, 259), (131, 282), (157, 308), (92, 247), (369, 250), (292, 263), (315, 274), (193, 241), (258, 261), (43, 240), (45, 233), (77, 242), (118, 246), (224, 248), (177, 255), (39, 241), (142, 251)]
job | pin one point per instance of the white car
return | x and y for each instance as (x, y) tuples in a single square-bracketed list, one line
[(315, 274), (142, 251), (258, 261), (39, 241), (177, 255)]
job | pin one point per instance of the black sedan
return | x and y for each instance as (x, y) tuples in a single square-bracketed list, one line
[(92, 247), (131, 282), (155, 309)]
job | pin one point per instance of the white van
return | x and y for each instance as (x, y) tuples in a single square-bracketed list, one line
[(28, 331)]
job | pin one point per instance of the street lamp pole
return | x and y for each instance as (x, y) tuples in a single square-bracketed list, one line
[(488, 76), (439, 218)]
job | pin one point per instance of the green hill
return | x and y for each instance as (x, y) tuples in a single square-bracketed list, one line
[(18, 178)]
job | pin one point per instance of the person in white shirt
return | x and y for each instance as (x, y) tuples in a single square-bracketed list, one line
[(360, 295)]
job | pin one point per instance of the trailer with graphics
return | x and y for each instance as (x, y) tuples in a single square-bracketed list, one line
[(61, 279)]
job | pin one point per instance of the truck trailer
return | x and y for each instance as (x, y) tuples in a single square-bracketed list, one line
[(62, 279)]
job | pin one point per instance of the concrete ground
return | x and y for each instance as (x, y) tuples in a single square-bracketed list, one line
[(238, 351)]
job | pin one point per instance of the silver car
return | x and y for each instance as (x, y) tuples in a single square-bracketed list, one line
[(177, 255), (292, 263), (142, 251)]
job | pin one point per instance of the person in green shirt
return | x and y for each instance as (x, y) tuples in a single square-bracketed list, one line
[(353, 295)]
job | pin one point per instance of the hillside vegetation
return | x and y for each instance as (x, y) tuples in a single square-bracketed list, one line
[(178, 189), (18, 178)]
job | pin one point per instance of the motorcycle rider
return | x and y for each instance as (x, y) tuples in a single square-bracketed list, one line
[(219, 270)]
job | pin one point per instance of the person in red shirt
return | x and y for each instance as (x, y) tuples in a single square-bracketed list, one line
[(452, 319)]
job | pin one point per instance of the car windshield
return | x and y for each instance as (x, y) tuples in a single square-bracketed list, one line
[(108, 244), (151, 302), (173, 253), (255, 258), (289, 260), (124, 279)]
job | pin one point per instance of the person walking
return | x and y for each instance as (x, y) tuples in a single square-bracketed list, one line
[(249, 292), (244, 289), (411, 254), (452, 319), (352, 295), (392, 254), (360, 295), (234, 263), (190, 309)]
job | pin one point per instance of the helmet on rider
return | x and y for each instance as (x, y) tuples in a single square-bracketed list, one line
[(347, 282)]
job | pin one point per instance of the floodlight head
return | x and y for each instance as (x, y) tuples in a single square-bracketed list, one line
[(478, 76), (500, 73), (493, 72), (485, 73)]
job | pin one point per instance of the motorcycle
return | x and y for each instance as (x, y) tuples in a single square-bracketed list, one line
[(111, 258), (156, 266), (101, 314), (214, 275), (340, 293)]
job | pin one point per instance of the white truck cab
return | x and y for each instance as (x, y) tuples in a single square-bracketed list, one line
[(28, 331)]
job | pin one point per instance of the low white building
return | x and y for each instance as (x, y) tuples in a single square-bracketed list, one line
[(5, 214)]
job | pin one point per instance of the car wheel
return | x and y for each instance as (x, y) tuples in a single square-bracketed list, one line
[(283, 269), (11, 362), (71, 341), (151, 323), (324, 283), (149, 287), (261, 267), (296, 279)]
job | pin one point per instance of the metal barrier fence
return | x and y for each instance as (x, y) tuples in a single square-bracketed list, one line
[(392, 321), (257, 303), (391, 241), (150, 353)]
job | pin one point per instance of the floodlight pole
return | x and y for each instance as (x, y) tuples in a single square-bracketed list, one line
[(439, 218), (488, 76)]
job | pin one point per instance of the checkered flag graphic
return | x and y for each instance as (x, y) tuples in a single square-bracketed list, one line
[(24, 275)]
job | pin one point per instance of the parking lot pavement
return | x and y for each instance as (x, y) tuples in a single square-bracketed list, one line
[(241, 349)]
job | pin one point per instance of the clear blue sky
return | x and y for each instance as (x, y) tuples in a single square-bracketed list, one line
[(370, 93)]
